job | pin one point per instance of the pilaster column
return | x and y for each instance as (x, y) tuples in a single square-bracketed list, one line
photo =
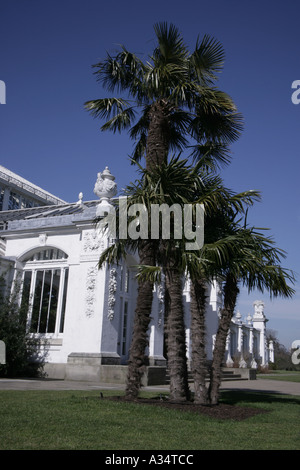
[(229, 361), (5, 198), (271, 351), (156, 333), (259, 323), (242, 362)]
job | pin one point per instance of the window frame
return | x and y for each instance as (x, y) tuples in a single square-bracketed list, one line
[(125, 311), (33, 265)]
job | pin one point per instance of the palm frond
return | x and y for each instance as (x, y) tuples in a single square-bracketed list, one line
[(140, 148), (212, 155), (171, 48), (113, 254), (120, 121), (122, 113), (216, 126), (183, 85), (206, 60), (152, 274), (256, 264), (242, 201), (122, 72)]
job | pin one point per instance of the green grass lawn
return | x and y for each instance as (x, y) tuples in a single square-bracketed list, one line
[(284, 375), (75, 420)]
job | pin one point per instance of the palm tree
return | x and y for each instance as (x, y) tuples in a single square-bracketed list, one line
[(175, 94), (202, 266), (232, 254), (205, 267), (172, 183), (177, 183), (146, 249), (256, 263)]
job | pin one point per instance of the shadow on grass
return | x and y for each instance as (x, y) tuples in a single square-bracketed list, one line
[(234, 397)]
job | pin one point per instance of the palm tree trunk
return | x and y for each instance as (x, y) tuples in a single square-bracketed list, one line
[(156, 153), (198, 333), (137, 359), (158, 135), (175, 337), (230, 295)]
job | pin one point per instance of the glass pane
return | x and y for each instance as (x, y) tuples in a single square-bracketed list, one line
[(25, 296), (63, 308), (45, 298), (26, 203), (45, 301), (47, 254), (35, 319), (14, 201), (53, 301), (124, 328), (1, 198)]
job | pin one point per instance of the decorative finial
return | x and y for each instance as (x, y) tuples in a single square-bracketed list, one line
[(238, 316), (80, 197), (258, 309), (105, 188)]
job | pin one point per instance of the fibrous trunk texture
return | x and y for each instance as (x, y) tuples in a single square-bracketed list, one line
[(230, 295), (175, 338), (156, 154), (158, 136), (137, 358), (198, 335)]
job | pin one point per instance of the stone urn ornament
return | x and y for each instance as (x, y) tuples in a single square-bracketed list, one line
[(105, 188)]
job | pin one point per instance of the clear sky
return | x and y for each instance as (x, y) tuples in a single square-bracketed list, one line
[(47, 48)]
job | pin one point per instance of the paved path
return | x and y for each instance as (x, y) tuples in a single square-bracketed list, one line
[(259, 385)]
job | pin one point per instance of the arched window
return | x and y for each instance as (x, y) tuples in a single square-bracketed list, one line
[(44, 294), (46, 254)]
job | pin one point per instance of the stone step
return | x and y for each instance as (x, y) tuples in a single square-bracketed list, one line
[(227, 375)]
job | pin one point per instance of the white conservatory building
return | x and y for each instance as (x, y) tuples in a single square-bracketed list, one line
[(84, 315)]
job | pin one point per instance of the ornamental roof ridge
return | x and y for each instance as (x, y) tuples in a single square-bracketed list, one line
[(45, 211)]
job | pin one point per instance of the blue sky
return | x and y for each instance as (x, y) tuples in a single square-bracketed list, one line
[(47, 49)]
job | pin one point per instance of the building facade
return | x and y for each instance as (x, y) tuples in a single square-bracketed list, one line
[(84, 315)]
